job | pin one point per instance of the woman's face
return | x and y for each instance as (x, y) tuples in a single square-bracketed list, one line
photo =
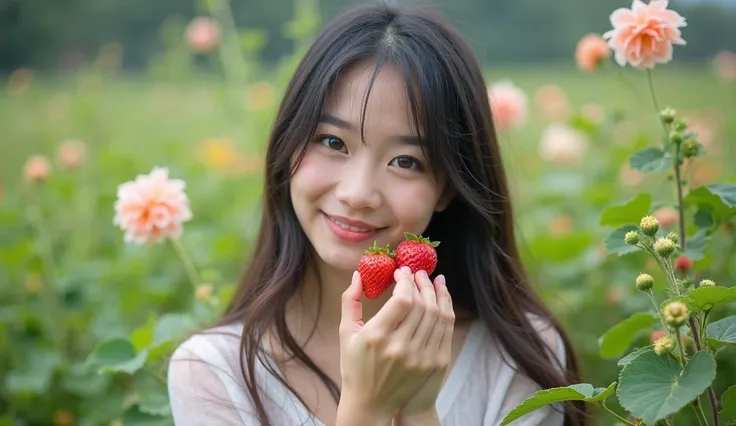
[(347, 194)]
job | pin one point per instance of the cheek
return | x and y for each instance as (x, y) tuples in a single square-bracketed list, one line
[(310, 178), (414, 205)]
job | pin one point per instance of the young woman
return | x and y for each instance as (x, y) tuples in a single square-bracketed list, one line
[(385, 128)]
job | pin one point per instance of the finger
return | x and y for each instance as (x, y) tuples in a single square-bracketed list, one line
[(352, 309), (398, 306), (445, 347), (446, 317), (430, 310)]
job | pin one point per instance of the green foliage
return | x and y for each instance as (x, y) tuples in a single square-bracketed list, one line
[(652, 387), (579, 392), (618, 338)]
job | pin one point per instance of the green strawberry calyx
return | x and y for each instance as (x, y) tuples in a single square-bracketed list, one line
[(380, 250), (418, 238)]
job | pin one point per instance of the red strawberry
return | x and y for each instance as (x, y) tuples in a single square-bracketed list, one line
[(376, 268), (417, 253)]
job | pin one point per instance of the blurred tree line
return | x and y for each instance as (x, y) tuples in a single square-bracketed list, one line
[(59, 34)]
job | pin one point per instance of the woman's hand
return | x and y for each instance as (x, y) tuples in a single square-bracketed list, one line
[(385, 361), (438, 345)]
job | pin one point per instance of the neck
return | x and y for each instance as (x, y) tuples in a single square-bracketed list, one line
[(319, 301)]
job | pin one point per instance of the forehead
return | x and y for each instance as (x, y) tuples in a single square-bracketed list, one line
[(387, 110)]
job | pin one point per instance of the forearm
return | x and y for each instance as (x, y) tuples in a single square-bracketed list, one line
[(427, 418)]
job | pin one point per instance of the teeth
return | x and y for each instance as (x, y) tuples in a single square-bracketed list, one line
[(348, 227)]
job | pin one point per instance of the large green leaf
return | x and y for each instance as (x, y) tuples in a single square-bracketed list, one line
[(630, 357), (578, 392), (134, 416), (652, 387), (116, 355), (707, 298), (615, 243), (630, 212), (618, 338), (728, 402), (725, 191), (705, 200), (722, 331), (650, 160)]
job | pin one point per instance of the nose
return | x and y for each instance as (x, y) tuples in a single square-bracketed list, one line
[(358, 186)]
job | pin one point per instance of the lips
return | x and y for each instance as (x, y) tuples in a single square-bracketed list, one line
[(350, 224)]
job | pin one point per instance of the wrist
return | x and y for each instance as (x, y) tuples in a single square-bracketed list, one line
[(427, 417), (352, 412)]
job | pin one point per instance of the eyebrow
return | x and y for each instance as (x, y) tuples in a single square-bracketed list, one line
[(346, 125)]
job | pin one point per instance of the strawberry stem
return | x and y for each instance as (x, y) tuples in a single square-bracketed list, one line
[(411, 237)]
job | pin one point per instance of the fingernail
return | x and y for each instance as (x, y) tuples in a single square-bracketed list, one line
[(423, 274), (355, 278), (441, 280), (405, 269)]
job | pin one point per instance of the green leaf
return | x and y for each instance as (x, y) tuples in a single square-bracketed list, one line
[(618, 338), (652, 387), (615, 243), (560, 248), (650, 160), (630, 357), (35, 373), (726, 192), (578, 392), (706, 200), (707, 298), (703, 218), (172, 326), (630, 212), (696, 246), (722, 331), (116, 356), (135, 417), (728, 402)]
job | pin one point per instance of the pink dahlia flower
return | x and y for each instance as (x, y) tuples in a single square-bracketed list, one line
[(644, 35), (152, 207)]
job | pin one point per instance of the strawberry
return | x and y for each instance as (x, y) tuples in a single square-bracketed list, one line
[(376, 268), (417, 253), (683, 264)]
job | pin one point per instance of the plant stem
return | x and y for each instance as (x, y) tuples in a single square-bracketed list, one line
[(188, 265), (680, 346), (651, 91), (699, 414), (621, 419), (656, 306), (711, 393), (51, 297), (680, 205)]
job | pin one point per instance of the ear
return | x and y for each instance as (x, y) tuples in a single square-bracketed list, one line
[(447, 196)]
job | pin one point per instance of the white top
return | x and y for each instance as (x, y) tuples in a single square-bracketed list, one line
[(206, 386)]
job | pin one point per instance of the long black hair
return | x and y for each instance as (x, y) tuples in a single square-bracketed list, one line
[(450, 108)]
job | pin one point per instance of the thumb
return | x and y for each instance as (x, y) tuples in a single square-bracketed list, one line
[(352, 308)]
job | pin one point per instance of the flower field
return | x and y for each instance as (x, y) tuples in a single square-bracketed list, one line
[(88, 315)]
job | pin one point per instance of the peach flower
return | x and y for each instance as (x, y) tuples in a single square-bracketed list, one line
[(590, 51), (644, 35), (72, 154), (202, 34), (562, 144), (37, 169), (552, 101), (509, 105), (725, 65), (152, 208)]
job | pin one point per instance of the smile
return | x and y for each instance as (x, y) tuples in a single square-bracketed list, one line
[(349, 227)]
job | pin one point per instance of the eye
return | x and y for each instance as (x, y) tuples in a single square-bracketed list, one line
[(406, 162), (334, 143)]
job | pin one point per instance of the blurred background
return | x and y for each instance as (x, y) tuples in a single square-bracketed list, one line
[(96, 92)]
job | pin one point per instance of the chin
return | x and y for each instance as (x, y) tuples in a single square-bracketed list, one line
[(340, 258)]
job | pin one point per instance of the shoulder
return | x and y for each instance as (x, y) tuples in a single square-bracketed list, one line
[(209, 356), (549, 334)]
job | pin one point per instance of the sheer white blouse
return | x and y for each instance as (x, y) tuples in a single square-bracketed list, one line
[(206, 387)]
